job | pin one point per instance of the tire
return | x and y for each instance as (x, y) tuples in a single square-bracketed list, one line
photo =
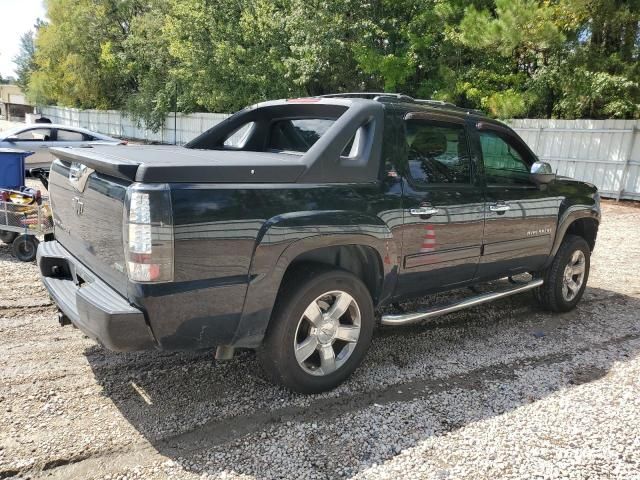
[(309, 295), (563, 288), (7, 237), (25, 247)]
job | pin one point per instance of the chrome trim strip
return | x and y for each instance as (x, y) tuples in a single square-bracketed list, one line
[(406, 318)]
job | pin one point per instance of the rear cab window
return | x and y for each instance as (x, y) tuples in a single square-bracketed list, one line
[(297, 135), (291, 128)]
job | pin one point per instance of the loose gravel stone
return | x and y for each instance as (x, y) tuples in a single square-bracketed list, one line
[(504, 390)]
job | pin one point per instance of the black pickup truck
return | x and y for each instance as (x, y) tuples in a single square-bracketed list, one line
[(284, 227)]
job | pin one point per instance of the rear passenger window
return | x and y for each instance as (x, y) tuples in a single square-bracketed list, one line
[(437, 153), (69, 136), (503, 165), (297, 135)]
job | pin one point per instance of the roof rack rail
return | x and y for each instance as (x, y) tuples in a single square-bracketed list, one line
[(400, 97), (452, 106), (370, 95), (439, 103)]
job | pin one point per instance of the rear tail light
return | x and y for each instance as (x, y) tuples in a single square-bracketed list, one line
[(148, 233)]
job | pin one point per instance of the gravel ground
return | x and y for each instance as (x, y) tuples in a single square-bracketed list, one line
[(500, 391)]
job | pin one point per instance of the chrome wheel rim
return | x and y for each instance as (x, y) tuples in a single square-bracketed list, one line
[(573, 275), (327, 333)]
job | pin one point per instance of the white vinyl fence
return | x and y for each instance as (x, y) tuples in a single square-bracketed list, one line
[(179, 129), (603, 152)]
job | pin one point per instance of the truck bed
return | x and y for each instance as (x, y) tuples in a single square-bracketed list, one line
[(159, 164)]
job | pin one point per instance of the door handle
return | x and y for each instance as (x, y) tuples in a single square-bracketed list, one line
[(499, 207), (424, 211)]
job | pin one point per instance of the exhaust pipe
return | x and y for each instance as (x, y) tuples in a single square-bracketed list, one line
[(63, 319)]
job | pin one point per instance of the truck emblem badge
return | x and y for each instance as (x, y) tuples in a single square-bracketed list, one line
[(78, 175), (541, 231), (78, 205)]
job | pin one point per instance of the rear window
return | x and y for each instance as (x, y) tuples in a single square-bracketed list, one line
[(297, 135)]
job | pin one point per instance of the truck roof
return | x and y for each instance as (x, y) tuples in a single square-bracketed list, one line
[(403, 103)]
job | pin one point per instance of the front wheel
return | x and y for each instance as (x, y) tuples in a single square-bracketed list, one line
[(566, 278), (320, 330)]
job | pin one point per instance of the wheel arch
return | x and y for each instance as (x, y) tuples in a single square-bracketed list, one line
[(582, 222), (585, 227), (370, 258), (363, 261)]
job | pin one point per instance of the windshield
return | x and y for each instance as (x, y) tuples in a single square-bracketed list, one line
[(11, 131)]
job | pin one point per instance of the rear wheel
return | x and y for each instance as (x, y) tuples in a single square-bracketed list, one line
[(566, 278), (7, 237), (25, 247), (320, 331)]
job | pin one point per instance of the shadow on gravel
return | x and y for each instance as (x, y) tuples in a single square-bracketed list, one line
[(210, 417)]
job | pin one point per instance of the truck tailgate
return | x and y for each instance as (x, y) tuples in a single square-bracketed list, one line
[(88, 221)]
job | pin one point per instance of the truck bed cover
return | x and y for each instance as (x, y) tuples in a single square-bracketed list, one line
[(151, 163)]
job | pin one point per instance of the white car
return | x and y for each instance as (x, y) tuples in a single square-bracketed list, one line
[(39, 137)]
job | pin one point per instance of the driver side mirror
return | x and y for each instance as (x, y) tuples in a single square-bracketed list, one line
[(542, 173), (12, 139)]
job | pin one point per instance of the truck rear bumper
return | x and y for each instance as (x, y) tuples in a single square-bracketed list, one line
[(92, 305)]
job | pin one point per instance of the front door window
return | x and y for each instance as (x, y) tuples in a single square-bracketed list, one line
[(35, 135), (503, 164)]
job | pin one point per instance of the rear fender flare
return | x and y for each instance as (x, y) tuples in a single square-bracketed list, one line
[(266, 275)]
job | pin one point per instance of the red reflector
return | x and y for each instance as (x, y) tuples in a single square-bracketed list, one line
[(154, 271)]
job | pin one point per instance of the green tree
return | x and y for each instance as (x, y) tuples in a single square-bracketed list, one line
[(77, 53), (564, 58), (150, 69), (579, 57), (24, 60)]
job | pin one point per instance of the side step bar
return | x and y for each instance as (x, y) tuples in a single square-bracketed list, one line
[(406, 318)]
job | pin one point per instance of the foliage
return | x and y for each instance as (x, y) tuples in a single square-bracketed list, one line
[(24, 60), (548, 58)]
